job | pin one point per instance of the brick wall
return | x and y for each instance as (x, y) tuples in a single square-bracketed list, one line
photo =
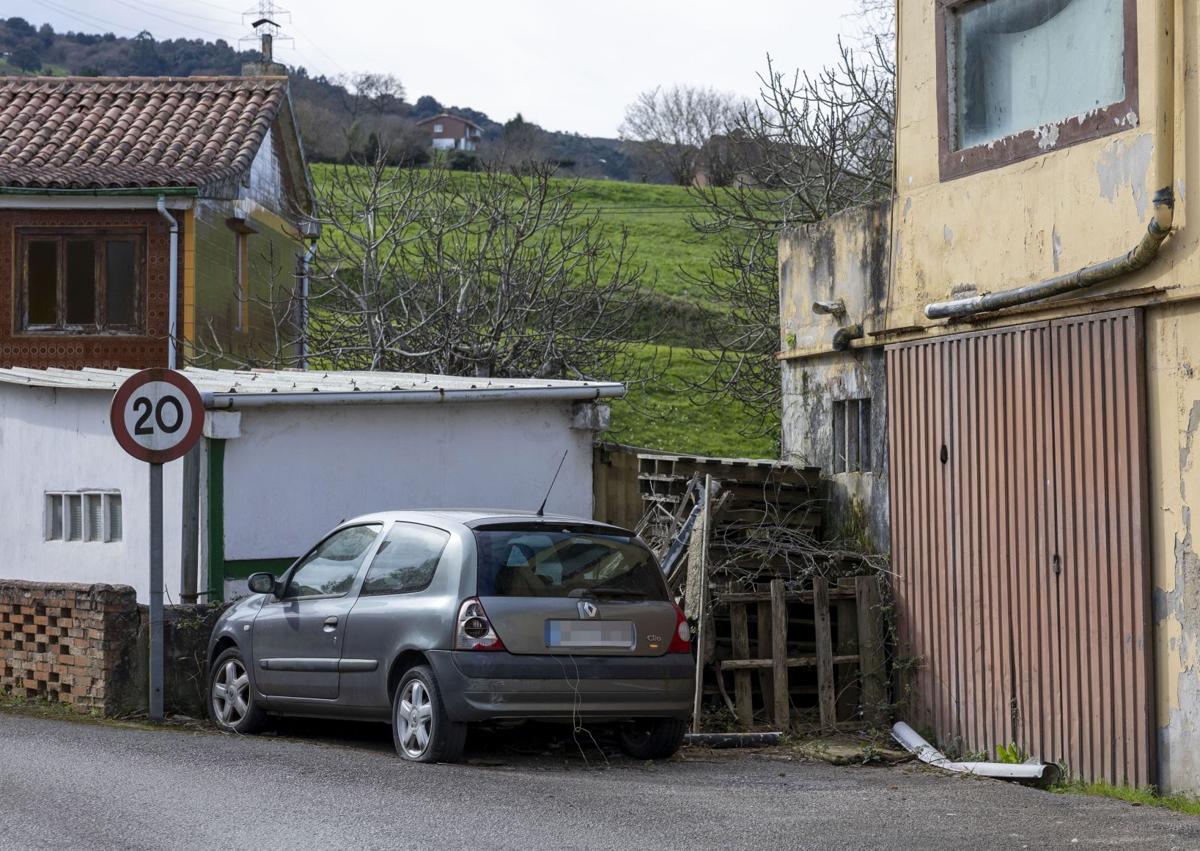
[(88, 646), (67, 643)]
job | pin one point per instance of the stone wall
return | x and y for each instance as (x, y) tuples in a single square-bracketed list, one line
[(87, 646)]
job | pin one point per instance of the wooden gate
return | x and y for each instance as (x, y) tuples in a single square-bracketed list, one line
[(1018, 493)]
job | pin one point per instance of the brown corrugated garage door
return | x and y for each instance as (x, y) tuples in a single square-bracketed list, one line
[(1018, 493)]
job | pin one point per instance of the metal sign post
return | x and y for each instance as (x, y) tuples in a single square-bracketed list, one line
[(156, 593), (157, 415)]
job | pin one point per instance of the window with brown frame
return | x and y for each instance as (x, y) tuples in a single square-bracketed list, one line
[(80, 281), (1017, 78)]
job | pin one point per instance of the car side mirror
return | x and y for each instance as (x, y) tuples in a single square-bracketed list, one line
[(261, 583)]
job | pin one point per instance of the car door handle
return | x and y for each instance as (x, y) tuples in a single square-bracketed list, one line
[(330, 624)]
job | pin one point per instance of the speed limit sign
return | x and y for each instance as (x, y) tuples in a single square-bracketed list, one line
[(157, 415)]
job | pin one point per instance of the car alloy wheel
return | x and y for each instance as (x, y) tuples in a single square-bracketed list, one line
[(414, 719), (231, 693)]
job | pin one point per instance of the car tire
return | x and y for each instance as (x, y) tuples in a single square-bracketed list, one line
[(421, 729), (231, 701), (651, 738)]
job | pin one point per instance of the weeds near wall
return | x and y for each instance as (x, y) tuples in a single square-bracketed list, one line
[(1144, 797)]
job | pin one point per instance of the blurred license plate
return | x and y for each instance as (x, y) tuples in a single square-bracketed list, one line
[(590, 634)]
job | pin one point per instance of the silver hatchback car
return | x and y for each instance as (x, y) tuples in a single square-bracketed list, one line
[(436, 619)]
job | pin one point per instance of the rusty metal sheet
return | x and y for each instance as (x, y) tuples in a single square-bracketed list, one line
[(1018, 476)]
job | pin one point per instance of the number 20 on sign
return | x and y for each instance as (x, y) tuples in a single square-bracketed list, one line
[(157, 415)]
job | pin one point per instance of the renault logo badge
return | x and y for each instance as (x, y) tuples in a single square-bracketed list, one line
[(588, 610)]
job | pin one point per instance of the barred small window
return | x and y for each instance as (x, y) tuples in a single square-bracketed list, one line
[(86, 516), (852, 436)]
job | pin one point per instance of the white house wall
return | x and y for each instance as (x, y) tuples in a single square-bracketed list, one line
[(295, 472), (59, 440)]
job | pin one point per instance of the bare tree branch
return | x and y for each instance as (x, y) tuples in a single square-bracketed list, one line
[(810, 146)]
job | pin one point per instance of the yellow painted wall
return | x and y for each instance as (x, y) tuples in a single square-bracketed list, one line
[(1026, 222), (1033, 219), (187, 332), (1173, 364), (272, 262)]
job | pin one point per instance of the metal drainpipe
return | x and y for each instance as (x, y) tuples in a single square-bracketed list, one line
[(1142, 254), (309, 253), (843, 336), (173, 301)]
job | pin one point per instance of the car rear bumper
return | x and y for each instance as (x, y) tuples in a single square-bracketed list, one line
[(479, 686)]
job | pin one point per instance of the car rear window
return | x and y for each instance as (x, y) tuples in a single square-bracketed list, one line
[(547, 561)]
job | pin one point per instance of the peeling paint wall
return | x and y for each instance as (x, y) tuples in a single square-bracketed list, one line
[(1054, 213), (1023, 222), (1014, 225), (842, 258), (1173, 349)]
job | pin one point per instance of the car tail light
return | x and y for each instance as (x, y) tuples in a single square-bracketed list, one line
[(681, 639), (475, 631)]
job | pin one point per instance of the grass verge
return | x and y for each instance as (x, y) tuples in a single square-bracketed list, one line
[(1145, 797)]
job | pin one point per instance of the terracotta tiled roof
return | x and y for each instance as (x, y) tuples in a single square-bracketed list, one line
[(125, 132)]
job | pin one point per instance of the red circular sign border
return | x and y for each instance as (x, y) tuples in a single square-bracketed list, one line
[(116, 415)]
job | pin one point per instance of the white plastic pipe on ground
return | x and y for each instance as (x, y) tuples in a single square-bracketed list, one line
[(912, 742)]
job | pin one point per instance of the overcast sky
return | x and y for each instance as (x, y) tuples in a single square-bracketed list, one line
[(564, 64)]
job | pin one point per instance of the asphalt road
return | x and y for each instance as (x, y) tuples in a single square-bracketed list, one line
[(68, 785)]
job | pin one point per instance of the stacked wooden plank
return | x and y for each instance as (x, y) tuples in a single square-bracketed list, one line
[(796, 647)]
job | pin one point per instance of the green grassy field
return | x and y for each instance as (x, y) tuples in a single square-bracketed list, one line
[(666, 413), (656, 218), (663, 413)]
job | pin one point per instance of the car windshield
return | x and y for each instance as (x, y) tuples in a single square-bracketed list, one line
[(547, 561)]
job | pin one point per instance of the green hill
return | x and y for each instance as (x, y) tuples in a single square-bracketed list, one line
[(665, 412)]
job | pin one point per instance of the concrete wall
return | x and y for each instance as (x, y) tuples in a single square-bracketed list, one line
[(296, 472), (291, 475), (1173, 358), (844, 257), (60, 440), (1019, 223)]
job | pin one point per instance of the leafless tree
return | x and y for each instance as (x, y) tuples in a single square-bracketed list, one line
[(488, 274), (369, 93), (521, 145), (674, 125), (810, 146)]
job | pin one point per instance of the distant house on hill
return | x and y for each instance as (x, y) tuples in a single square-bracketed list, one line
[(451, 133), (142, 218)]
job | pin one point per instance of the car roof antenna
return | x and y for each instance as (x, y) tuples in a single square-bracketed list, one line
[(541, 512)]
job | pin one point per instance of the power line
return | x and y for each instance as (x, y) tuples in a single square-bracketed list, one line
[(219, 6), (175, 21), (150, 6), (89, 20), (317, 47)]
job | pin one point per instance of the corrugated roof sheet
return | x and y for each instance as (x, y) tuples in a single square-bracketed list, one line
[(129, 132), (302, 387)]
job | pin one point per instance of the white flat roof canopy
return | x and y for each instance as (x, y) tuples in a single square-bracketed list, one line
[(230, 389)]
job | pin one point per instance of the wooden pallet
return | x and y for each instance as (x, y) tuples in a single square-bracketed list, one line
[(853, 657)]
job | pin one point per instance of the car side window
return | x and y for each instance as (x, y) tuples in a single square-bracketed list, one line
[(329, 570), (406, 560)]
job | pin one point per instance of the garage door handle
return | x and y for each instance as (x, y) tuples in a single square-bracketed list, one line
[(330, 624)]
